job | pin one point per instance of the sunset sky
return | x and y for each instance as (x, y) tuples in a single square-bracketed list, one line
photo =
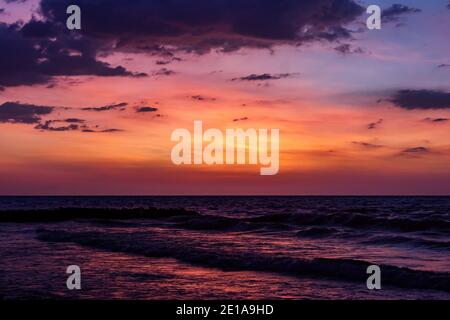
[(91, 112)]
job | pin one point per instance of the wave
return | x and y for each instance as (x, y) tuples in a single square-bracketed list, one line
[(355, 220), (150, 245), (194, 220), (398, 239), (318, 232), (181, 218), (67, 214)]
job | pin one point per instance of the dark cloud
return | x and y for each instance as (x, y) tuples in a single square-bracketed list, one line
[(374, 125), (39, 50), (80, 66), (39, 29), (15, 112), (416, 150), (101, 131), (164, 72), (393, 13), (436, 120), (240, 119), (367, 145), (111, 130), (2, 10), (71, 124), (118, 106), (203, 98), (348, 49), (19, 59), (263, 77), (201, 25), (165, 62), (47, 125), (421, 99), (74, 120), (146, 109), (29, 56)]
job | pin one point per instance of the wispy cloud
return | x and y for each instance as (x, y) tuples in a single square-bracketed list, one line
[(164, 72), (367, 145), (203, 98), (146, 109), (443, 66), (119, 106), (416, 150), (240, 119), (47, 126), (346, 49), (394, 12), (374, 125), (436, 120), (263, 77)]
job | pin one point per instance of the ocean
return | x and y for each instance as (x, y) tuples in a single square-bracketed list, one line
[(224, 247)]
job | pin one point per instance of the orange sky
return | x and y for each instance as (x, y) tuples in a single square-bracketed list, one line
[(323, 110)]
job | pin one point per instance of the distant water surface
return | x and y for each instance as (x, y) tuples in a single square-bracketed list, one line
[(225, 247)]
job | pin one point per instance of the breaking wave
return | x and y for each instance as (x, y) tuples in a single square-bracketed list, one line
[(150, 245), (194, 220)]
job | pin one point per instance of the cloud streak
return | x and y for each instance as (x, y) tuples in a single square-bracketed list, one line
[(47, 126), (346, 49), (421, 99), (416, 150), (436, 120), (374, 125), (263, 77), (146, 109), (119, 106), (240, 119), (164, 72), (367, 145), (203, 98)]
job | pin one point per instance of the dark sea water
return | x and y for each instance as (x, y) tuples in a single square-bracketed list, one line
[(225, 247)]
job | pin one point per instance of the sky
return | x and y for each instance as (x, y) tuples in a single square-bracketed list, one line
[(91, 111)]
